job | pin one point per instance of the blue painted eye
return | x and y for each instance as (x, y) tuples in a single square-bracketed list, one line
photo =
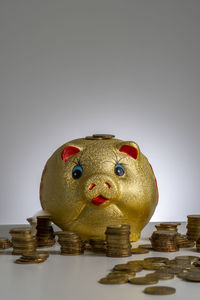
[(119, 170), (77, 172)]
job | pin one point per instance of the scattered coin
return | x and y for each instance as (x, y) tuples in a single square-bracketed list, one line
[(156, 259), (190, 276), (128, 267), (116, 280), (152, 266), (139, 250), (145, 246), (143, 280), (161, 275), (160, 290)]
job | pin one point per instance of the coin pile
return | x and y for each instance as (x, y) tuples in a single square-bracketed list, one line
[(117, 241), (5, 243), (172, 226), (97, 245), (198, 245), (33, 258), (183, 242), (45, 234), (184, 267), (164, 241), (193, 227), (71, 243), (23, 240)]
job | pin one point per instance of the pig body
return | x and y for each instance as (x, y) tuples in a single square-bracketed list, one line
[(89, 184)]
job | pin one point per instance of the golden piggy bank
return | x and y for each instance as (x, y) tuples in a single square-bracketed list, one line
[(93, 182)]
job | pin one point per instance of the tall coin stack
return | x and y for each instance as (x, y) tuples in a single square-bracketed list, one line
[(45, 234), (164, 241), (117, 241), (198, 245), (193, 227), (23, 241), (71, 243)]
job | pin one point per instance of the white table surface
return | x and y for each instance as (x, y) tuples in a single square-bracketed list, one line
[(76, 277)]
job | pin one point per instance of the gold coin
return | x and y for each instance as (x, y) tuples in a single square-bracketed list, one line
[(128, 267), (160, 290), (191, 276), (156, 259), (139, 250), (153, 266), (23, 261), (146, 246), (120, 280), (191, 258), (161, 275), (118, 275), (143, 280)]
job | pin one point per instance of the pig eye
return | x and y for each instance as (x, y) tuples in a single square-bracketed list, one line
[(77, 172), (119, 170)]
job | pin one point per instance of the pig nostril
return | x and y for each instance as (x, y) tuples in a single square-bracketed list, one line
[(108, 185), (92, 186)]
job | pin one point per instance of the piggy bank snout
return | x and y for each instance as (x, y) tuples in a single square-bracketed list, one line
[(101, 185)]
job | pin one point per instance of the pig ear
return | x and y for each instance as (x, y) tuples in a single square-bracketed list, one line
[(69, 151), (130, 148)]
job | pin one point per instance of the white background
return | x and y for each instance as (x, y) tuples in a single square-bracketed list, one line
[(73, 68)]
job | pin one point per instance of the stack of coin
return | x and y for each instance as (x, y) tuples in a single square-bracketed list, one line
[(117, 241), (164, 241), (97, 245), (193, 227), (71, 243), (5, 243), (45, 234), (23, 241), (198, 245), (172, 226), (183, 242), (33, 258)]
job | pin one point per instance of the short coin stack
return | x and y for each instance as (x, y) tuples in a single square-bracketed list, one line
[(23, 241), (5, 243), (97, 245), (168, 226), (45, 234), (118, 242), (33, 258), (71, 243), (164, 241), (193, 227), (198, 245), (183, 242)]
